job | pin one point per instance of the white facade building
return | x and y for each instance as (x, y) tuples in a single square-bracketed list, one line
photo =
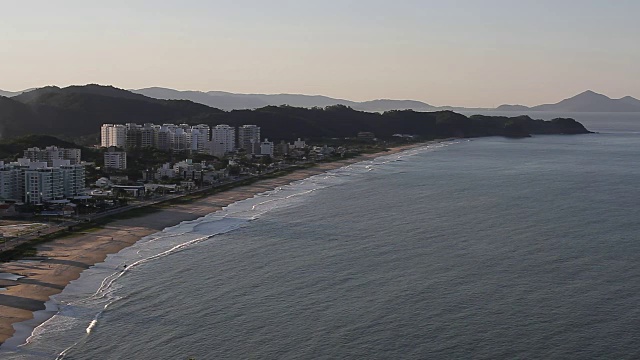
[(36, 183), (72, 177), (200, 138), (223, 140), (113, 135), (42, 185), (114, 159)]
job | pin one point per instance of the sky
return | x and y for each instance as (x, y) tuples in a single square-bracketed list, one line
[(474, 53)]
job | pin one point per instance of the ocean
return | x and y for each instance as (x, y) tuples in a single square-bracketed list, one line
[(487, 248)]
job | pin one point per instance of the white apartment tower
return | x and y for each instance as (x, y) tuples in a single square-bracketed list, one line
[(200, 138), (42, 185), (113, 135), (249, 138), (72, 177), (223, 140)]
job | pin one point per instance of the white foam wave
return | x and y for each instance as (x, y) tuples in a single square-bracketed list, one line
[(92, 325)]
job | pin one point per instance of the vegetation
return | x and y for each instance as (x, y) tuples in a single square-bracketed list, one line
[(80, 111)]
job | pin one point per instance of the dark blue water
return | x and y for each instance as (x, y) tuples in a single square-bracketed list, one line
[(490, 248)]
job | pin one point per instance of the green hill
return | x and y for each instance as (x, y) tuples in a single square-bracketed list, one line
[(79, 111)]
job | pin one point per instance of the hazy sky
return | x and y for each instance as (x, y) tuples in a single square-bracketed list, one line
[(453, 52)]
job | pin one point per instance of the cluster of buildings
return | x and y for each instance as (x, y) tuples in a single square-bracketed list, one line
[(166, 137), (43, 175), (218, 140), (188, 170), (42, 180), (51, 153)]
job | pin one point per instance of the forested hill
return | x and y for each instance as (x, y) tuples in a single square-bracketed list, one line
[(81, 110)]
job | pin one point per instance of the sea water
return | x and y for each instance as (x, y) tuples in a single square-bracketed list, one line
[(482, 248)]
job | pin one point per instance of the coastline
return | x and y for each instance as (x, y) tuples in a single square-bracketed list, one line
[(64, 259)]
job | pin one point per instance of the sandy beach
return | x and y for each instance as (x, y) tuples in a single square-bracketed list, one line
[(64, 259)]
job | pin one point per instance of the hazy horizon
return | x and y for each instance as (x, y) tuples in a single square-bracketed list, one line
[(443, 53)]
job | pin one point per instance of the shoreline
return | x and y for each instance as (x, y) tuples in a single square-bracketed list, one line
[(62, 260)]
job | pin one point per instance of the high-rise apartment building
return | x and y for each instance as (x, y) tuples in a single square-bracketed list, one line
[(200, 138), (223, 140), (113, 135), (249, 138)]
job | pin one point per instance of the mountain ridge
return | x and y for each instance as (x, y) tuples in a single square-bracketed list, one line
[(587, 101), (80, 111), (232, 101)]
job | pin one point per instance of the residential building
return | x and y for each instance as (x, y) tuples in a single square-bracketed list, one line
[(299, 144), (10, 182), (42, 185), (113, 135), (133, 137), (266, 147), (115, 159), (149, 135), (72, 178), (249, 138), (200, 138), (36, 182), (282, 148), (223, 140), (164, 138), (51, 153), (166, 171), (187, 169)]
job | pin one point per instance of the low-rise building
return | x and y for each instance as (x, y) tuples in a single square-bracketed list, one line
[(299, 144), (266, 147), (166, 171)]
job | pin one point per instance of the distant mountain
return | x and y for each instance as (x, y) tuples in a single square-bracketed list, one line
[(230, 101), (587, 101), (512, 108), (385, 105), (10, 93), (219, 100)]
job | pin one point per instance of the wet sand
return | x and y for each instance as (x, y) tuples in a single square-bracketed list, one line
[(64, 259)]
